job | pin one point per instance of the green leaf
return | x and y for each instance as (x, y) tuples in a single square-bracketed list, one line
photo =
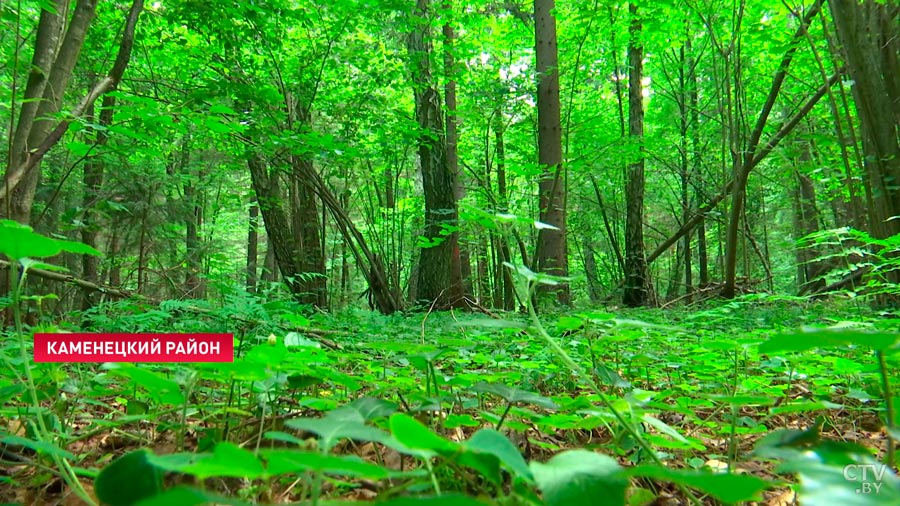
[(444, 500), (514, 395), (161, 389), (580, 477), (188, 496), (831, 474), (18, 241), (728, 488), (494, 443), (221, 109), (303, 381), (411, 433), (217, 126), (370, 408), (282, 461), (336, 425), (671, 432), (811, 337), (227, 460), (295, 339), (128, 479)]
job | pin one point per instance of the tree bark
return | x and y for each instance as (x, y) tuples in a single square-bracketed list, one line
[(637, 276), (743, 164), (869, 33), (457, 256), (252, 248), (552, 251), (435, 259), (33, 130)]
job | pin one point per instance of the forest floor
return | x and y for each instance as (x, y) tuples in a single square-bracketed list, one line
[(692, 384)]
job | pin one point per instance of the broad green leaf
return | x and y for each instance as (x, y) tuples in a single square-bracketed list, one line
[(300, 381), (227, 460), (514, 395), (492, 442), (281, 461), (188, 496), (411, 433), (162, 390), (221, 109), (671, 432), (609, 376), (836, 473), (728, 488), (128, 479), (811, 338), (371, 408), (580, 477), (295, 339), (336, 425), (18, 241)]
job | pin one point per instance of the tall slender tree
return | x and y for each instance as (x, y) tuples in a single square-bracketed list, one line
[(637, 275), (552, 251)]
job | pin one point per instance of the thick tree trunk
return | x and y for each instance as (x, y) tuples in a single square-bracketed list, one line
[(270, 269), (552, 251), (435, 259), (90, 231), (32, 130), (457, 256), (869, 33), (305, 220), (193, 223), (637, 276), (277, 225), (51, 68)]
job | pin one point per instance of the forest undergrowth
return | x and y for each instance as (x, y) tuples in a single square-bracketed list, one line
[(759, 400)]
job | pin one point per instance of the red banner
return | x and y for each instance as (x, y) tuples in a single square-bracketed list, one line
[(133, 348)]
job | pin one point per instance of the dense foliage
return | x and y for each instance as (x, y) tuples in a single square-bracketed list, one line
[(471, 253)]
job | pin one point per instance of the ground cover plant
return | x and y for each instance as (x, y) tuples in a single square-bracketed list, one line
[(752, 401), (492, 252)]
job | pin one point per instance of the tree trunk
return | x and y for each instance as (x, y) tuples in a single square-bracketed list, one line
[(305, 221), (276, 222), (435, 259), (806, 221), (270, 269), (457, 256), (744, 162), (637, 276), (252, 247), (869, 33), (33, 129), (591, 272), (552, 251), (503, 276), (193, 223), (94, 168)]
